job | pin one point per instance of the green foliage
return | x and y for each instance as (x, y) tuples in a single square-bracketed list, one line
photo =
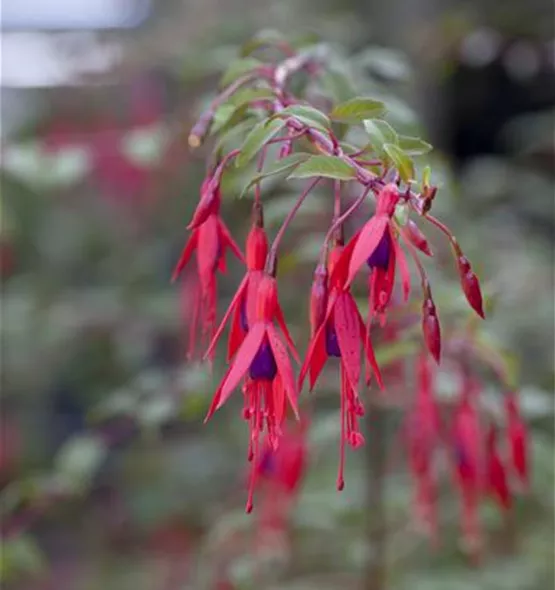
[(357, 110), (239, 68), (259, 135), (325, 166)]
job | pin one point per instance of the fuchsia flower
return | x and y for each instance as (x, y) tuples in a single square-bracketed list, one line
[(377, 245), (260, 346), (423, 437), (339, 332), (269, 384), (469, 460), (210, 239), (243, 305)]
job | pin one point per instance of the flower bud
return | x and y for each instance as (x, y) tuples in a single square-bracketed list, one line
[(417, 238), (257, 241), (431, 328), (208, 204), (470, 285), (318, 298)]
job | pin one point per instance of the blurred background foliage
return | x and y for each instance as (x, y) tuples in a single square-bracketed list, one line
[(109, 478)]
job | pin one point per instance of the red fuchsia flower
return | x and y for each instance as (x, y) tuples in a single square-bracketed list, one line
[(423, 436), (269, 384), (517, 439), (339, 333), (496, 473), (469, 471), (242, 308), (377, 245), (210, 239)]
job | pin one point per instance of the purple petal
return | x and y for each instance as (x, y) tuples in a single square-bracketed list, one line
[(380, 257), (263, 365)]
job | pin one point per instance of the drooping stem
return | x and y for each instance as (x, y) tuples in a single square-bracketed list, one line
[(444, 229), (272, 254), (342, 218), (375, 573), (259, 166), (337, 199)]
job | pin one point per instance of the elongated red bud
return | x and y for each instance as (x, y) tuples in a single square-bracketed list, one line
[(417, 238), (318, 298), (470, 285), (257, 241), (387, 200), (431, 328), (208, 204)]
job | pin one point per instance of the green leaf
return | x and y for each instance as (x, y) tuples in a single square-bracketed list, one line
[(277, 167), (239, 68), (400, 160), (337, 85), (259, 135), (235, 109), (380, 133), (306, 115), (326, 166), (247, 95), (357, 109), (414, 146), (231, 132)]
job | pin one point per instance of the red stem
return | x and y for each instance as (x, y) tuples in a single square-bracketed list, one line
[(340, 220), (270, 264)]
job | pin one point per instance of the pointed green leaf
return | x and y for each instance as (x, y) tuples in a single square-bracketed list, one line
[(238, 68), (233, 132), (235, 109), (247, 95), (357, 109), (336, 85), (306, 115), (221, 117), (259, 135), (278, 167), (380, 133), (326, 166), (414, 146), (400, 160)]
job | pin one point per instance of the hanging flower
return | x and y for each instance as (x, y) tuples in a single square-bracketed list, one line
[(423, 437), (340, 333), (210, 239), (263, 360)]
